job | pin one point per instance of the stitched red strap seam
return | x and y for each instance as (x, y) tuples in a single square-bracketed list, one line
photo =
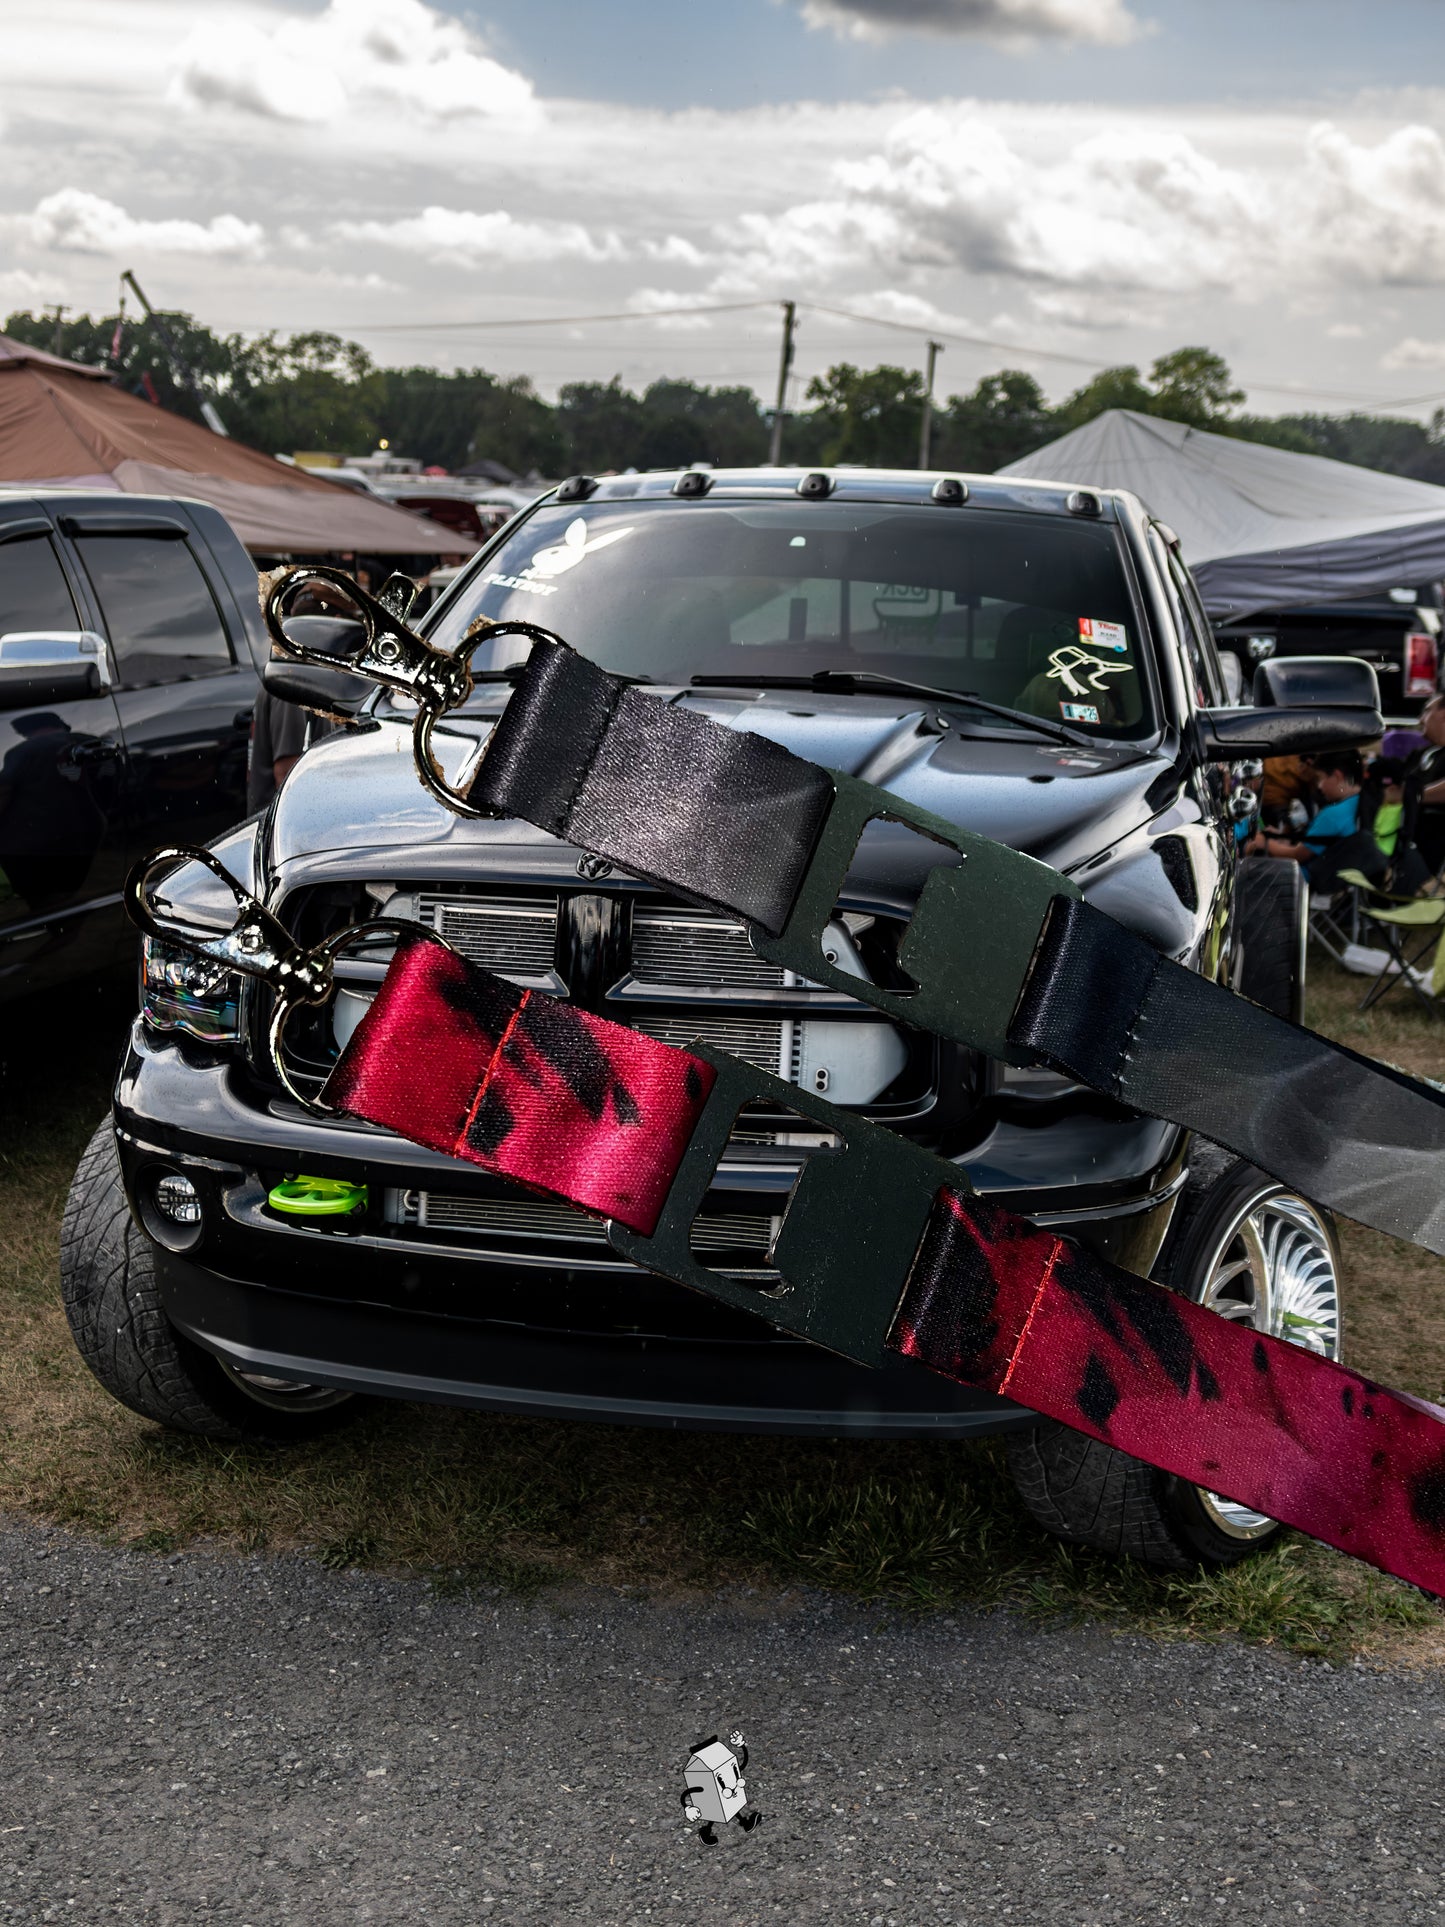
[(1044, 1282), (489, 1073)]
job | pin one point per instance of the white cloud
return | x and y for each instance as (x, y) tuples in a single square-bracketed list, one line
[(356, 55), (1138, 208), (1414, 353), (1344, 331), (658, 306), (1374, 212), (1011, 23), (674, 250), (447, 234), (73, 221)]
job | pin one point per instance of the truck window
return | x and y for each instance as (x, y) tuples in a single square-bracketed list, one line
[(162, 617), (34, 593)]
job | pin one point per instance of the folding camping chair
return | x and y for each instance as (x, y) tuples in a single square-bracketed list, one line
[(1413, 930), (1334, 920)]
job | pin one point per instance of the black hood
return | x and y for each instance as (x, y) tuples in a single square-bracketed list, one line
[(359, 794)]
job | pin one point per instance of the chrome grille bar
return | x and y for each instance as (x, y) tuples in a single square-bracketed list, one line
[(515, 936), (764, 1041), (690, 948), (545, 1218)]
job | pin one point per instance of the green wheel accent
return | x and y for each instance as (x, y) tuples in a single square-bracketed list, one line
[(303, 1197)]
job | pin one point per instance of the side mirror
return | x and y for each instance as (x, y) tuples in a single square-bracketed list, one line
[(51, 666), (335, 692), (1246, 735), (338, 636), (1322, 682), (1301, 704)]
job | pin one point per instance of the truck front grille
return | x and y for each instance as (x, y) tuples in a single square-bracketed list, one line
[(737, 1233), (757, 1040), (691, 949), (515, 936)]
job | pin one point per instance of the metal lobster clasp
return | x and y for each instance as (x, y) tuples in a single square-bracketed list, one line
[(256, 945), (386, 651)]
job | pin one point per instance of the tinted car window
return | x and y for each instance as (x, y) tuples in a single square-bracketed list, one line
[(34, 593), (161, 615), (1030, 611)]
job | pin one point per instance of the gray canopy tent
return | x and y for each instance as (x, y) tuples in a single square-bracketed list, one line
[(1262, 528)]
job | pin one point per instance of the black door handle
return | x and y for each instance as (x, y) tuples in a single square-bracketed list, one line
[(86, 755)]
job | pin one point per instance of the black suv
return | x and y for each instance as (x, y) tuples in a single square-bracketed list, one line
[(1054, 684), (130, 645)]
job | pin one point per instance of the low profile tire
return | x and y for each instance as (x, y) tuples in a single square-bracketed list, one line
[(108, 1285), (1273, 909), (1256, 1253)]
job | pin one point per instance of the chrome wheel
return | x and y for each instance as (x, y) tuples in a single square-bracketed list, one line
[(282, 1394), (1274, 1270)]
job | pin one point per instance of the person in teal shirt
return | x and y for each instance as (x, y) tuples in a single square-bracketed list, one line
[(1339, 784)]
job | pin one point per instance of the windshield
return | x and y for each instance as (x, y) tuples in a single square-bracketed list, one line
[(1029, 611)]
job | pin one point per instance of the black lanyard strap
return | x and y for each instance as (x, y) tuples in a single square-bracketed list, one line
[(1105, 1007), (1004, 954)]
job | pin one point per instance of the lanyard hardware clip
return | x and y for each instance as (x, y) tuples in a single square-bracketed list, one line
[(438, 681), (256, 945)]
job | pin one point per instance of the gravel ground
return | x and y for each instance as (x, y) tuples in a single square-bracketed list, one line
[(231, 1740)]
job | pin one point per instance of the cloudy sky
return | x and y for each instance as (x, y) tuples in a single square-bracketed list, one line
[(1079, 182)]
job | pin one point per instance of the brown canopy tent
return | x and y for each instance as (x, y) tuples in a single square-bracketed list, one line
[(63, 425)]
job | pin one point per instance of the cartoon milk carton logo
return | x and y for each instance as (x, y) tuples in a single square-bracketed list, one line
[(715, 1793)]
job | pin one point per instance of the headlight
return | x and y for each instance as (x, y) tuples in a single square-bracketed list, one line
[(182, 992)]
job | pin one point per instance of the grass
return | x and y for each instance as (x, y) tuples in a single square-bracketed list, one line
[(473, 1499)]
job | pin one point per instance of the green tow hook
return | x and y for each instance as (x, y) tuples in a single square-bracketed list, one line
[(303, 1197)]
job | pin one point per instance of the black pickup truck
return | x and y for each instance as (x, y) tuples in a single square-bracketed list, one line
[(1027, 661), (130, 646)]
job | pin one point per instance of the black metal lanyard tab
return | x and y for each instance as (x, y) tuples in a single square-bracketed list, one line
[(853, 1223)]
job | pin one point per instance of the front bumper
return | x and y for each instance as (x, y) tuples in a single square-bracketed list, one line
[(395, 1310)]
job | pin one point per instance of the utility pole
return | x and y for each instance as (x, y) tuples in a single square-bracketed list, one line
[(790, 321), (180, 367), (57, 311), (925, 434)]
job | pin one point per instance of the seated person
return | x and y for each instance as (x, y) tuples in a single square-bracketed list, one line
[(1424, 788), (1287, 780), (1340, 836)]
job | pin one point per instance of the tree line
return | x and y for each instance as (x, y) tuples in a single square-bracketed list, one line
[(317, 391)]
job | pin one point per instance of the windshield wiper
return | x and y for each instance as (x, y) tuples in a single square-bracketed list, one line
[(848, 682)]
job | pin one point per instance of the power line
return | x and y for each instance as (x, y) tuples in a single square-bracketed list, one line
[(927, 331), (538, 320)]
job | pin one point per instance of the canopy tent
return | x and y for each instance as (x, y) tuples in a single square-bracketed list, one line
[(63, 425), (1262, 528)]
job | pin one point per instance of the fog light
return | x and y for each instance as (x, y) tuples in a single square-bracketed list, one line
[(177, 1199)]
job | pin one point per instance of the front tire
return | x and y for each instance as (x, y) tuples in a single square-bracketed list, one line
[(1255, 1253), (1273, 908), (113, 1305)]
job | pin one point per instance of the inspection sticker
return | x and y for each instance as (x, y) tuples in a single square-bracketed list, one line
[(1079, 712), (1104, 635)]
